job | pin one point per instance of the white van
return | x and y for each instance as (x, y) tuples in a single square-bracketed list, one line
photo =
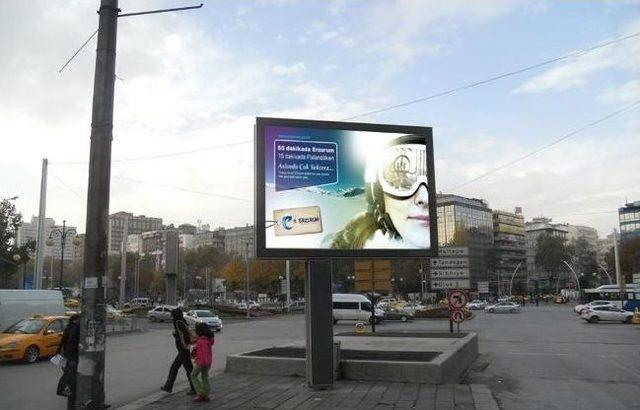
[(347, 306), (17, 304)]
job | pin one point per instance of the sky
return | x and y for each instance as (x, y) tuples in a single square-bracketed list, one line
[(193, 82)]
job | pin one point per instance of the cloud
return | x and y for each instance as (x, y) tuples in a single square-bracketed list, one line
[(625, 94), (579, 70), (290, 70), (587, 173)]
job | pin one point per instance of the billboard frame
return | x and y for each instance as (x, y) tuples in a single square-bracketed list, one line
[(262, 252)]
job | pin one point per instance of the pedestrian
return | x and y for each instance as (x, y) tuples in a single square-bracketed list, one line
[(182, 339), (202, 359), (68, 348), (537, 300)]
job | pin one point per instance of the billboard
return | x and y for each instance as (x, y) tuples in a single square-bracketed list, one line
[(338, 189)]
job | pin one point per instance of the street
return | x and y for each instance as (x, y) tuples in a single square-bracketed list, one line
[(544, 357)]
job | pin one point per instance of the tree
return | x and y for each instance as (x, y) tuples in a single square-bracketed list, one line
[(10, 220), (550, 252), (584, 261)]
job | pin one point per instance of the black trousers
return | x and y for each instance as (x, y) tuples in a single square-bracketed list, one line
[(182, 359)]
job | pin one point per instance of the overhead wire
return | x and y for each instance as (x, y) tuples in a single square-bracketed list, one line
[(577, 53), (549, 145)]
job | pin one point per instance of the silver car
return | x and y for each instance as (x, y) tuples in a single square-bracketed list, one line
[(203, 316), (503, 307), (160, 313)]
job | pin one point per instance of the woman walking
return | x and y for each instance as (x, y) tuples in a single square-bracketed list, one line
[(203, 358), (181, 336)]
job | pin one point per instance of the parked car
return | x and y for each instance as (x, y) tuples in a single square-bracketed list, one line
[(203, 316), (412, 307), (477, 304), (579, 308), (397, 314), (611, 313), (503, 307), (33, 338), (160, 313)]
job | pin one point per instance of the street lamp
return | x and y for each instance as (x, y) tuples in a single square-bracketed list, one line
[(62, 234)]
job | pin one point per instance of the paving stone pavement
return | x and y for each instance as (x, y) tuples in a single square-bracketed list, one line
[(241, 391)]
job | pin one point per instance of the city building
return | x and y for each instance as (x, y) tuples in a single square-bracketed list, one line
[(509, 247), (29, 231), (629, 217), (533, 230), (604, 246), (209, 238), (188, 229), (136, 224), (239, 241), (186, 241), (467, 222), (585, 232)]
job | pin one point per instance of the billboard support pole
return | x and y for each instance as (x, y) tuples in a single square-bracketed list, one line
[(373, 298), (319, 326)]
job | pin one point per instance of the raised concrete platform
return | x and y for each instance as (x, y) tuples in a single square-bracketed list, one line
[(433, 358)]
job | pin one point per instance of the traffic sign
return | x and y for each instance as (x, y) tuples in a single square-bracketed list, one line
[(450, 273), (458, 299), (445, 284), (457, 315)]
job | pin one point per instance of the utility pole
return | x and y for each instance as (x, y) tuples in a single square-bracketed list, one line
[(123, 262), (246, 280), (90, 381), (619, 278), (288, 277), (90, 384), (39, 262)]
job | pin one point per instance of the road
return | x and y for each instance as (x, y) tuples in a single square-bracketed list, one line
[(545, 357)]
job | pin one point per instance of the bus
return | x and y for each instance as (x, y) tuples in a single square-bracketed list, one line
[(630, 302)]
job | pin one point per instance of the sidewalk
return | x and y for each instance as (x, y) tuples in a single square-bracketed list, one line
[(239, 391)]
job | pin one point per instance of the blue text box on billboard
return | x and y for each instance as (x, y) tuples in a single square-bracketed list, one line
[(300, 164)]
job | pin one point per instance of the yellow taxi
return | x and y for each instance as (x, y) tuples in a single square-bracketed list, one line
[(71, 303), (33, 338)]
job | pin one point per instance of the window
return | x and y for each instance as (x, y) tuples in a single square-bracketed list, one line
[(55, 327)]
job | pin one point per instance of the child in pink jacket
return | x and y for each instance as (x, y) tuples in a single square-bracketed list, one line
[(202, 356)]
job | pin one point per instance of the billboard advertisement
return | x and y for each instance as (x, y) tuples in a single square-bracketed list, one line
[(337, 189)]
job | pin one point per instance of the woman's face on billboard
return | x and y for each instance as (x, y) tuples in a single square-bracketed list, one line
[(410, 216)]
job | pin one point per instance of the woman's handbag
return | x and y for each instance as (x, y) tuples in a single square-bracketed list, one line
[(67, 383)]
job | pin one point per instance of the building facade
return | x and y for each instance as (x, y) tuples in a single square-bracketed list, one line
[(28, 231), (587, 233), (209, 238), (136, 225), (240, 241), (533, 230), (467, 222), (629, 218), (509, 248)]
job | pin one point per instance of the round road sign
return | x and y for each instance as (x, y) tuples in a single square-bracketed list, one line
[(458, 298), (457, 315)]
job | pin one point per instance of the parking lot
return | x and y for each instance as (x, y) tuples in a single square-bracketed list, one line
[(544, 357)]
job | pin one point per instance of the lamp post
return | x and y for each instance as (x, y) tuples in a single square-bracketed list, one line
[(351, 281), (62, 234)]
